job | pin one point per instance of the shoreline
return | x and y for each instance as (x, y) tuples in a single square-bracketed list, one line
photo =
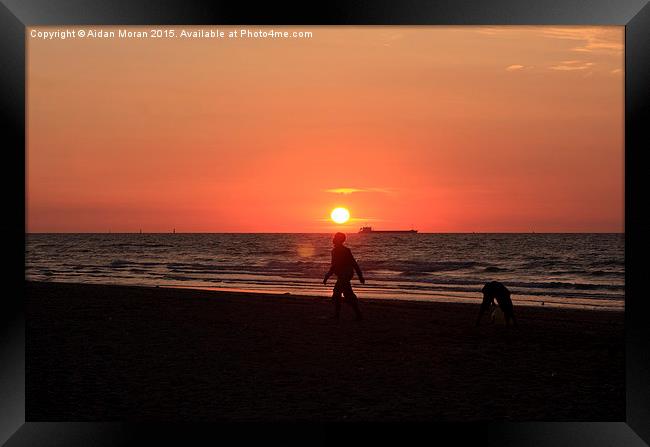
[(431, 298), (428, 297)]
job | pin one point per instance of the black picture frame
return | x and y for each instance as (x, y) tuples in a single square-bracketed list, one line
[(16, 15)]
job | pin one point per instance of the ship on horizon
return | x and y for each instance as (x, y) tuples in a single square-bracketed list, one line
[(370, 230)]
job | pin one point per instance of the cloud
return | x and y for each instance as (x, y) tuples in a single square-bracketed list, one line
[(365, 219), (572, 65), (489, 30), (602, 44), (354, 190), (616, 71), (589, 39), (353, 219), (343, 190), (391, 38)]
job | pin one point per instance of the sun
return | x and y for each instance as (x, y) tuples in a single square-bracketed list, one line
[(340, 215)]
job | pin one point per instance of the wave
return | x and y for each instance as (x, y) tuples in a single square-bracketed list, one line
[(494, 269), (420, 272), (550, 265), (120, 263), (418, 266)]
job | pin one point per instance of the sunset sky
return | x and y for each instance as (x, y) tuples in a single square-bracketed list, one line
[(443, 129)]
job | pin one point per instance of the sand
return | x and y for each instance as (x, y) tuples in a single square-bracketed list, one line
[(97, 352)]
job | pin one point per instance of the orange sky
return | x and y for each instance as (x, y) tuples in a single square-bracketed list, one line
[(446, 129)]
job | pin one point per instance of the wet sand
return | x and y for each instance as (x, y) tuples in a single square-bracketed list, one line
[(98, 352)]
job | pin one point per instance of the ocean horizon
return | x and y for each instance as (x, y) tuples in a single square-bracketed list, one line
[(583, 270)]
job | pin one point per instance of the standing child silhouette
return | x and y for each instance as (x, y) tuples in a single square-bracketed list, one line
[(343, 266)]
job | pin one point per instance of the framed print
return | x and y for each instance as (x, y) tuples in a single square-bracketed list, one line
[(363, 215)]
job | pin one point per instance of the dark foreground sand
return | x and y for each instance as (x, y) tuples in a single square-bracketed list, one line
[(115, 352)]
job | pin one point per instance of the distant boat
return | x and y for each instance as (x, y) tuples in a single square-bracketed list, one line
[(370, 230)]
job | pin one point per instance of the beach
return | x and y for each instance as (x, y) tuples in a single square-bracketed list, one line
[(100, 352)]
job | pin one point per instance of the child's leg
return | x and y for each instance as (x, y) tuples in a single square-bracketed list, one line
[(508, 312), (351, 298), (337, 307), (336, 297), (355, 306), (512, 318)]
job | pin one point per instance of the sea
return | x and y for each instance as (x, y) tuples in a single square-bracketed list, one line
[(540, 269)]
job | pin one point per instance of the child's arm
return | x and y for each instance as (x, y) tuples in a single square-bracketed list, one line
[(358, 270)]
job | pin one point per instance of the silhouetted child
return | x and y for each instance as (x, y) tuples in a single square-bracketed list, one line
[(495, 290), (343, 266)]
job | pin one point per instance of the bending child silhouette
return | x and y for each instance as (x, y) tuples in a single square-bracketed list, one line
[(343, 266), (495, 290)]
